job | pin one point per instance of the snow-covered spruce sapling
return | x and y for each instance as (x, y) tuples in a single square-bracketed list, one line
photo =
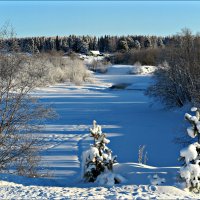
[(190, 171), (98, 158)]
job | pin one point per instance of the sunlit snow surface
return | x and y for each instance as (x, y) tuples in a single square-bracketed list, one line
[(129, 120)]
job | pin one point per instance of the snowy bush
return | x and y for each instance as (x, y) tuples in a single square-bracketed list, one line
[(76, 71), (97, 162), (56, 69), (190, 171), (109, 178), (156, 180), (100, 66), (145, 69)]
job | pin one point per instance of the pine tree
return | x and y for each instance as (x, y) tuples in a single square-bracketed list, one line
[(98, 159), (148, 43), (57, 43), (190, 171), (82, 46), (160, 43), (122, 44), (137, 44)]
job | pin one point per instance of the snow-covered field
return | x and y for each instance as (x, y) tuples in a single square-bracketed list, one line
[(129, 119)]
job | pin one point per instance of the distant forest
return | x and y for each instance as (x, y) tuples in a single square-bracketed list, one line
[(177, 80), (83, 44)]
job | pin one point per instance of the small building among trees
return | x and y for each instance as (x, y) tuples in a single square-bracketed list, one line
[(95, 53)]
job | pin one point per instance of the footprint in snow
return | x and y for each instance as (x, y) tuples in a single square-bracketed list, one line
[(152, 188)]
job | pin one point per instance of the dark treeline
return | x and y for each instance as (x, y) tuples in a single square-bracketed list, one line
[(83, 44)]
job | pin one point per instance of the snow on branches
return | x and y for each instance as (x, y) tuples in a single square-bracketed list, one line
[(97, 161), (194, 129), (190, 171)]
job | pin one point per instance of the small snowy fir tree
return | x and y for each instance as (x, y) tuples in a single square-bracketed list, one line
[(190, 171), (97, 162)]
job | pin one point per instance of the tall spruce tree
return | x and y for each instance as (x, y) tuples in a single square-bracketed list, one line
[(57, 44)]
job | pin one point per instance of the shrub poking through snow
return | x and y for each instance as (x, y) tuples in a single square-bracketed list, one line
[(142, 155), (190, 171), (97, 161)]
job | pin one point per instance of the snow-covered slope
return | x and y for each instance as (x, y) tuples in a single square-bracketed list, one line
[(128, 119), (130, 69), (119, 69), (138, 186)]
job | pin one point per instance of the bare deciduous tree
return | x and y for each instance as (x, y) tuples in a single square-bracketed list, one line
[(178, 79), (20, 114)]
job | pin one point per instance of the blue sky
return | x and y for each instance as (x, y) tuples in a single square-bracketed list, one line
[(50, 18)]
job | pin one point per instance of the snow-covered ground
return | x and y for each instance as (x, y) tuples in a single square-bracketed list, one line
[(130, 69), (129, 120), (32, 189)]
